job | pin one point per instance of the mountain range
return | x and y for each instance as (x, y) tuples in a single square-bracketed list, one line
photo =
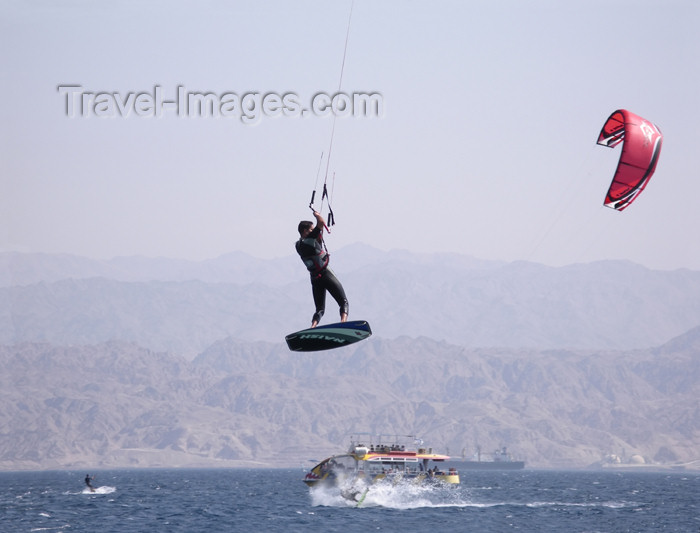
[(256, 404), (183, 306), (155, 362)]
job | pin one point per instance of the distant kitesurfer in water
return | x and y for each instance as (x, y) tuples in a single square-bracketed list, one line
[(313, 253), (88, 482)]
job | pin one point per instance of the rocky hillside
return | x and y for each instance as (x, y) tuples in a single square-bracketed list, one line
[(246, 404)]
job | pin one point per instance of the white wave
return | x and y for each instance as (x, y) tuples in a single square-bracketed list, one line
[(100, 490), (391, 495)]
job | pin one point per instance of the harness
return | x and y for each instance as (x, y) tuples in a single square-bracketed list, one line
[(314, 254)]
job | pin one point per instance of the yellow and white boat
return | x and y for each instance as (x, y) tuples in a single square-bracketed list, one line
[(371, 463)]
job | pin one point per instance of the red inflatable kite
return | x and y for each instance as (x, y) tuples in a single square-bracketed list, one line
[(640, 152)]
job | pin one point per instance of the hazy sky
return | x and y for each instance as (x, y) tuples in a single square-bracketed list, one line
[(486, 143)]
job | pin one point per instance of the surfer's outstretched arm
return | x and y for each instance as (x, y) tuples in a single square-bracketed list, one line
[(320, 221)]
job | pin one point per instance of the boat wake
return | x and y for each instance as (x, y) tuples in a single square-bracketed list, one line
[(398, 495), (406, 495)]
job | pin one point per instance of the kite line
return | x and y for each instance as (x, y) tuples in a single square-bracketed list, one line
[(325, 196)]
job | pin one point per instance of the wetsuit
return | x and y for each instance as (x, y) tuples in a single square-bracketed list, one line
[(315, 257)]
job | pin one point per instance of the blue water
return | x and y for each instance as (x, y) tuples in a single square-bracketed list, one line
[(277, 501)]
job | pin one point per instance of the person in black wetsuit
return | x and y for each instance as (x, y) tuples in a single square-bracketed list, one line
[(88, 482), (313, 253)]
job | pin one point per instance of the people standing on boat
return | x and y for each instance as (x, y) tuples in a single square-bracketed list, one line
[(315, 256)]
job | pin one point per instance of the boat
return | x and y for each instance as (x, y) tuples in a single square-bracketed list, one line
[(371, 460), (499, 460)]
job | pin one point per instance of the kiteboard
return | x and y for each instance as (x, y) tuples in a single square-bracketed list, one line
[(362, 498), (328, 336)]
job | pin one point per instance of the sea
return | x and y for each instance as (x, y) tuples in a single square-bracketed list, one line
[(276, 500)]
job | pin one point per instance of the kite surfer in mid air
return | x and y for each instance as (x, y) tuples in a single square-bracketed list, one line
[(314, 254)]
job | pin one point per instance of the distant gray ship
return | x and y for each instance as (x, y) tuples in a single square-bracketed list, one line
[(499, 460)]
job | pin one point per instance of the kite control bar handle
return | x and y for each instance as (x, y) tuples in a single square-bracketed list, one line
[(331, 218), (330, 215)]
